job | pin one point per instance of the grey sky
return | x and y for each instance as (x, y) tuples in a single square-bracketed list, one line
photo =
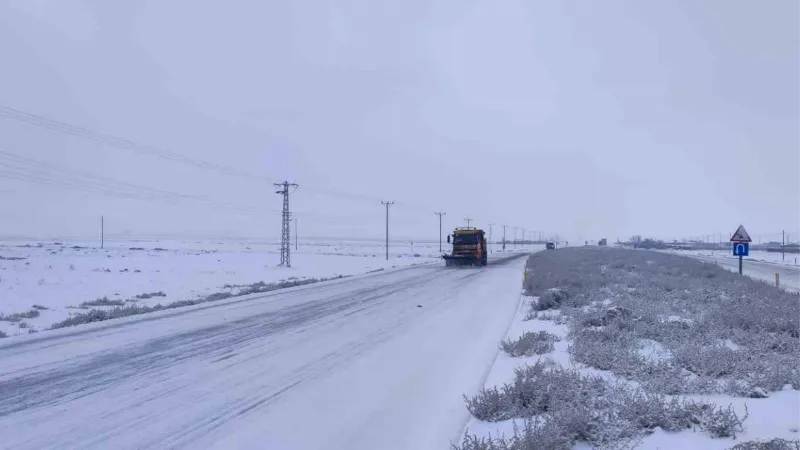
[(590, 119)]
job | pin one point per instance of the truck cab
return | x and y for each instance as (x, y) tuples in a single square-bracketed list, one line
[(469, 248)]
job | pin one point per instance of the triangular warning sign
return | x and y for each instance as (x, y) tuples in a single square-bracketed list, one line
[(741, 235)]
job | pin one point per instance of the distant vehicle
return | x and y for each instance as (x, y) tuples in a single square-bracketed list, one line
[(550, 246), (469, 248), (602, 242)]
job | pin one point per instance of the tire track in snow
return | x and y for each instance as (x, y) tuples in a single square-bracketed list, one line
[(90, 375)]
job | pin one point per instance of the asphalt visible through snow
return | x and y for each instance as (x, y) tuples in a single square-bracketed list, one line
[(378, 361)]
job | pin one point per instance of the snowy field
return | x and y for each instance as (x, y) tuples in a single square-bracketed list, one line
[(623, 349), (63, 278)]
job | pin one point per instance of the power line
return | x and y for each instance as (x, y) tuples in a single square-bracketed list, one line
[(135, 147), (42, 121), (17, 167), (45, 179), (27, 169), (335, 193), (63, 127)]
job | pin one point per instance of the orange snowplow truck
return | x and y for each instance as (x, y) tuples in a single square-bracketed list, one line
[(469, 248)]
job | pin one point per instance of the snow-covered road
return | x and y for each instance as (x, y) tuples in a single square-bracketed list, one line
[(378, 361), (761, 270)]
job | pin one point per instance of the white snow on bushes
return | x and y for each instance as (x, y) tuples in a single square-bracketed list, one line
[(671, 324)]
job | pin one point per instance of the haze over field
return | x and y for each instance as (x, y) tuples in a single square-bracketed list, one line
[(589, 119)]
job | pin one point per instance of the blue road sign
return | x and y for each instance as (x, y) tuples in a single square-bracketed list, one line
[(741, 249)]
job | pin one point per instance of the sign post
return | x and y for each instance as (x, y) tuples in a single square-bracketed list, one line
[(740, 242)]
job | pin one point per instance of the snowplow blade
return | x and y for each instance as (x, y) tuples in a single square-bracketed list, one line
[(459, 260)]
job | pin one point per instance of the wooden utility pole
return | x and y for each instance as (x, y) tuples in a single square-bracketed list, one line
[(490, 237), (440, 214), (102, 232)]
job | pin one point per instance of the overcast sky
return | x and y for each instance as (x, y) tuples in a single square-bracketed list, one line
[(590, 119)]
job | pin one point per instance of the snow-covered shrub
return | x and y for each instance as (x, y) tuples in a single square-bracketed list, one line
[(558, 319), (216, 296), (16, 317), (535, 313), (534, 435), (534, 390), (711, 360), (2, 335), (261, 287), (490, 404), (473, 442), (147, 295), (606, 349), (665, 377), (673, 324), (717, 421), (104, 301), (99, 315), (120, 311), (604, 317), (561, 406), (551, 299), (725, 332), (774, 444), (182, 303), (530, 343)]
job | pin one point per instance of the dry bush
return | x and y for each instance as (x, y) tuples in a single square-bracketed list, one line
[(530, 343), (613, 298), (774, 444), (97, 315), (561, 406)]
